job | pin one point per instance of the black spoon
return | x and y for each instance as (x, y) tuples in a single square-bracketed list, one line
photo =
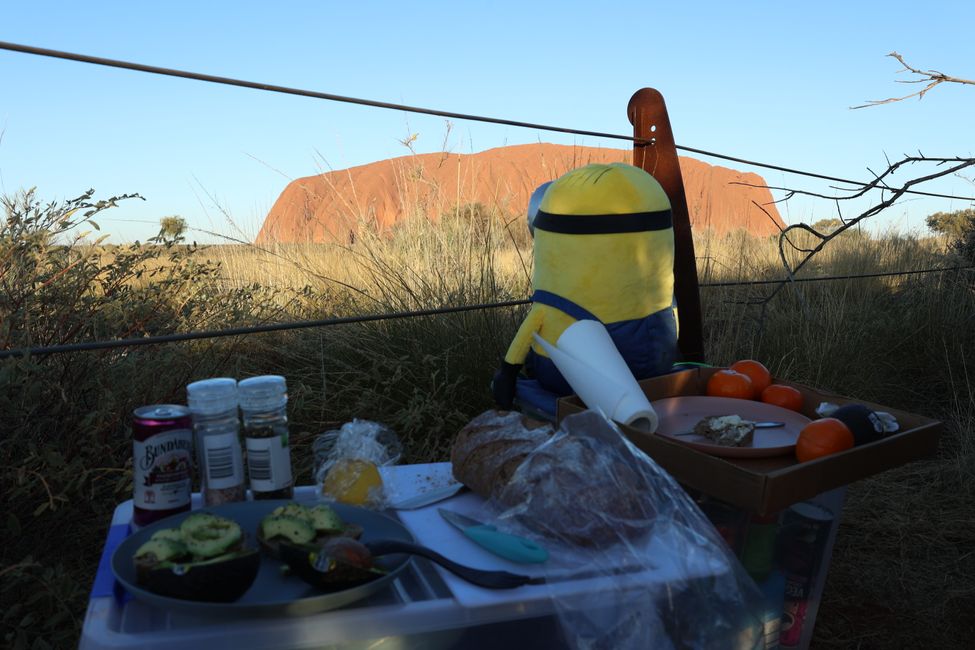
[(350, 566), (479, 577)]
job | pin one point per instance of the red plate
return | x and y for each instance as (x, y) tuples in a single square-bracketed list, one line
[(680, 414)]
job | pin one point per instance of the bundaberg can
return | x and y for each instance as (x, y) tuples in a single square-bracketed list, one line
[(162, 462)]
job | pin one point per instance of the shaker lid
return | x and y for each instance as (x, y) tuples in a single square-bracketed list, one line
[(263, 392), (212, 395)]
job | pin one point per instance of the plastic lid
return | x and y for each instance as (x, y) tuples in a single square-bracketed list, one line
[(266, 392), (209, 396)]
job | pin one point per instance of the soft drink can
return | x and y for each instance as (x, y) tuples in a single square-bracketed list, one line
[(806, 528), (162, 462)]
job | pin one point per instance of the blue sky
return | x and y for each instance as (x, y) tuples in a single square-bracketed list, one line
[(768, 81)]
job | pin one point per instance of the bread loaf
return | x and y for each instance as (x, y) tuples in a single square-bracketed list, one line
[(580, 489), (487, 451)]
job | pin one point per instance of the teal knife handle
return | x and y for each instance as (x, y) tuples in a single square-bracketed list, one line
[(510, 547)]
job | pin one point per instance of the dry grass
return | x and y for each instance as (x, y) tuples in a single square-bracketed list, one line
[(903, 567)]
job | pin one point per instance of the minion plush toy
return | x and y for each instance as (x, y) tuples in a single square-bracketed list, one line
[(604, 250)]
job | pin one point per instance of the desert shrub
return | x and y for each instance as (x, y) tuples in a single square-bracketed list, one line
[(964, 246), (65, 450), (953, 224)]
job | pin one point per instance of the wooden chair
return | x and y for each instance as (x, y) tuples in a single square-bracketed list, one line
[(656, 152)]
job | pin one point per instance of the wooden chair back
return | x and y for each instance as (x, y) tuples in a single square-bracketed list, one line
[(656, 152)]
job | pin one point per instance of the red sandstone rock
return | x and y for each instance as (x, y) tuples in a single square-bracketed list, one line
[(335, 205)]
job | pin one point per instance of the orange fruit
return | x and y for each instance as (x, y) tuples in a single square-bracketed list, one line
[(757, 372), (821, 438), (785, 396), (728, 383), (353, 481)]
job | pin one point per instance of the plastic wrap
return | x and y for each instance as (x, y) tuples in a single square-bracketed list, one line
[(347, 461), (665, 577)]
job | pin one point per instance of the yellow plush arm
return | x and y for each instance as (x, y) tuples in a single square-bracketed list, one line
[(518, 350)]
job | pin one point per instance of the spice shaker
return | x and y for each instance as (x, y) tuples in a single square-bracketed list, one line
[(263, 405), (216, 426)]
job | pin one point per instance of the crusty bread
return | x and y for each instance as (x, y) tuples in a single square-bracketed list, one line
[(487, 451), (576, 488)]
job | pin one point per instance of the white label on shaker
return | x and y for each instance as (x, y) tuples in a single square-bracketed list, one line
[(224, 461), (161, 470), (268, 464)]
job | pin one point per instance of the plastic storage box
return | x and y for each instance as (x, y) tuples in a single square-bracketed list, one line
[(418, 611)]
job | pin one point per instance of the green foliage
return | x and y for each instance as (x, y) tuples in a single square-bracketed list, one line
[(953, 224), (827, 226), (172, 227), (65, 447)]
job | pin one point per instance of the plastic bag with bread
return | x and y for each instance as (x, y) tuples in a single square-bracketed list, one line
[(581, 484), (605, 508)]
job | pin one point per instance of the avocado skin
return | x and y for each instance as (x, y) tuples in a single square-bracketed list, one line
[(857, 418), (221, 581)]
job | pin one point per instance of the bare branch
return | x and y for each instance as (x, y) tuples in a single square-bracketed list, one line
[(889, 195), (931, 77)]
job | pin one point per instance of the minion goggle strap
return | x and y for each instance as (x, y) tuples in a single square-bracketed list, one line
[(602, 224)]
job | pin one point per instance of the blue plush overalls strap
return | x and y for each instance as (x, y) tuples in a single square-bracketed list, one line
[(562, 304), (648, 345)]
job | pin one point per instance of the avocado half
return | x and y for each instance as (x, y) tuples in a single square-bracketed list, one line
[(298, 524), (339, 563), (206, 559)]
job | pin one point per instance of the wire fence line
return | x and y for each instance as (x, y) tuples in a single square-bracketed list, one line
[(277, 327), (196, 76), (89, 346)]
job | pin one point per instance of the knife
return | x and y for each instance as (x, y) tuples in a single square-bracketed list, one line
[(758, 425), (510, 547)]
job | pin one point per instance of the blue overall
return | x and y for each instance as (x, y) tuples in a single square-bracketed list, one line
[(648, 345)]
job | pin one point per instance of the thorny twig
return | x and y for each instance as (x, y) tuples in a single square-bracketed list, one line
[(880, 182), (932, 77)]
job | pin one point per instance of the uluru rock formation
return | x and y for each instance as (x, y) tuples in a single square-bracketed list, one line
[(333, 206)]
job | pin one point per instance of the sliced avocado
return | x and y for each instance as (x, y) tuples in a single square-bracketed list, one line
[(160, 550), (172, 534), (214, 538), (293, 529), (295, 510), (197, 520), (324, 518)]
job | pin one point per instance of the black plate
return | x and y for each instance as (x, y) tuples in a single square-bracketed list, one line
[(272, 593)]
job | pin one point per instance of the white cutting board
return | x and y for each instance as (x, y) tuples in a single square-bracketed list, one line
[(401, 482), (431, 530)]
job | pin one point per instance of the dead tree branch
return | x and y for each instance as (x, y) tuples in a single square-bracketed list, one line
[(890, 194), (931, 77)]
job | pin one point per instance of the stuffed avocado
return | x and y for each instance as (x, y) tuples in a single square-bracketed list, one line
[(205, 558), (298, 524), (339, 563)]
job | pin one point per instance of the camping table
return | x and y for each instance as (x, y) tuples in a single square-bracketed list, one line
[(419, 610)]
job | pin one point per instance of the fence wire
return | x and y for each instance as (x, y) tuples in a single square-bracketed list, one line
[(294, 325), (171, 72), (347, 320)]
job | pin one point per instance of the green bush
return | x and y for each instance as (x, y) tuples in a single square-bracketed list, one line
[(65, 445), (953, 224)]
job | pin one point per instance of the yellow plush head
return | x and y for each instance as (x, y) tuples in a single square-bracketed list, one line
[(604, 250), (597, 189)]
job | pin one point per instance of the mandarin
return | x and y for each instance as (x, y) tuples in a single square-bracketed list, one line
[(823, 437), (728, 383), (756, 371), (785, 396)]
